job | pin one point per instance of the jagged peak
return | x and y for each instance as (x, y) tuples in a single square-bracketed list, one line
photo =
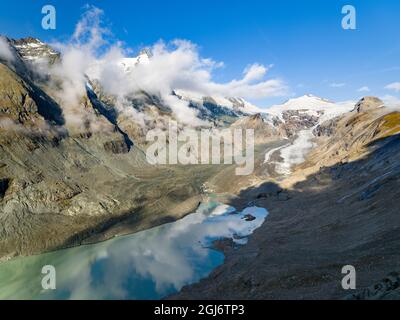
[(33, 49), (146, 52), (257, 116), (27, 40), (369, 103)]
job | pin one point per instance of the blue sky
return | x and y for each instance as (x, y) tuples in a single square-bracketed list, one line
[(303, 39)]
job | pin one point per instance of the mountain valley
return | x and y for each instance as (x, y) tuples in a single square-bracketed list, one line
[(75, 172)]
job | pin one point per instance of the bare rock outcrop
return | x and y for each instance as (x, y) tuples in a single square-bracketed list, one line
[(368, 103)]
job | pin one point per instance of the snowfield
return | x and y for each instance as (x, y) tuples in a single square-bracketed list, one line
[(295, 153)]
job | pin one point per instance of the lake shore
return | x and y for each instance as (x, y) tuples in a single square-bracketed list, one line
[(183, 192), (309, 236)]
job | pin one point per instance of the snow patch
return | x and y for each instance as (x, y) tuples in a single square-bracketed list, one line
[(313, 106), (215, 221)]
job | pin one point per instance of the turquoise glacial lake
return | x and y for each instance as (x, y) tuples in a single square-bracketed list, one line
[(151, 264)]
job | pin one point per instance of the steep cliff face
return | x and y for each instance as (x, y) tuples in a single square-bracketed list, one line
[(16, 99), (24, 103), (33, 50)]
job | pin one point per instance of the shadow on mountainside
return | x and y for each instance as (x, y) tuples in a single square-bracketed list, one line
[(110, 114), (47, 107), (347, 214)]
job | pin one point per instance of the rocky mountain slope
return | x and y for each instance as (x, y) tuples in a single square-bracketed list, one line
[(75, 172), (339, 207), (33, 50), (63, 184), (351, 136)]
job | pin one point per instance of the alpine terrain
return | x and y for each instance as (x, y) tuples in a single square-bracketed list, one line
[(74, 171)]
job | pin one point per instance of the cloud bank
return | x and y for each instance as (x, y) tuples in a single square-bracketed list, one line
[(395, 86), (178, 65), (337, 85), (364, 89), (5, 51), (391, 101)]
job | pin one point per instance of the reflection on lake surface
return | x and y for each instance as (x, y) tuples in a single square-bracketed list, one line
[(147, 265)]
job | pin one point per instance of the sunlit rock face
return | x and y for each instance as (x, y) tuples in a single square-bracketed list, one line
[(369, 103)]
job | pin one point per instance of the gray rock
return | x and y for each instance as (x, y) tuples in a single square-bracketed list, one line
[(283, 196), (267, 190)]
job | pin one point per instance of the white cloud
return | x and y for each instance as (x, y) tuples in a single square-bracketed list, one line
[(337, 85), (178, 66), (391, 101), (364, 89), (173, 66), (5, 51), (393, 86)]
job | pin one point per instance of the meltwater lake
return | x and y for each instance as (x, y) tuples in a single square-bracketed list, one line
[(151, 264)]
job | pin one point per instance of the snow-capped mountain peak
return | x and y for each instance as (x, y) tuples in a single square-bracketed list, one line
[(306, 102), (33, 50), (312, 106), (128, 64)]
